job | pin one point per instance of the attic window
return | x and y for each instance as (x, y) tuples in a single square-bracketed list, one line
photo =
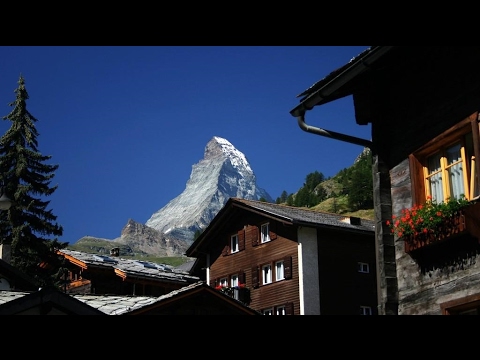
[(104, 258)]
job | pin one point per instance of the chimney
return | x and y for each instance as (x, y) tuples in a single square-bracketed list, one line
[(115, 252)]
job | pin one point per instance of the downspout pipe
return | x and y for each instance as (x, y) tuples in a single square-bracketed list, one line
[(332, 134)]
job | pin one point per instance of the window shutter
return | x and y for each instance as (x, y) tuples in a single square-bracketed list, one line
[(225, 250), (255, 282), (287, 267), (213, 282), (271, 229), (254, 235), (289, 308), (241, 240), (241, 277)]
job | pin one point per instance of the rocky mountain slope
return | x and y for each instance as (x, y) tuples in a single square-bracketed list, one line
[(223, 172)]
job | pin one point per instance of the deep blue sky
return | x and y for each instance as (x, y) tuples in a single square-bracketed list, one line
[(125, 124)]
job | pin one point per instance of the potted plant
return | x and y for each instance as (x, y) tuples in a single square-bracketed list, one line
[(426, 223)]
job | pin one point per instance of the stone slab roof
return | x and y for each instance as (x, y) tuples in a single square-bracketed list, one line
[(122, 304), (314, 218), (131, 268)]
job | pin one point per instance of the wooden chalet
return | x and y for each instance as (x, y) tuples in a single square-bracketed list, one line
[(423, 104), (283, 260), (102, 274)]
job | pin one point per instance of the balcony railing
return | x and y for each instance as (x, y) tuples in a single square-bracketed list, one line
[(240, 293)]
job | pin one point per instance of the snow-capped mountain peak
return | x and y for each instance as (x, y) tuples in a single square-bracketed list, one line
[(224, 172), (237, 158)]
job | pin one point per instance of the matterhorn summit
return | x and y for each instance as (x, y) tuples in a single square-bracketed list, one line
[(224, 172)]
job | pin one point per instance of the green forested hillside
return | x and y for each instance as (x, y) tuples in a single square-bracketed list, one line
[(349, 192)]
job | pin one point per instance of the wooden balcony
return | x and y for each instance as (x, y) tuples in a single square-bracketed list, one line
[(238, 293), (467, 221)]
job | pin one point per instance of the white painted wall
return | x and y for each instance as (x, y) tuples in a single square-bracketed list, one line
[(308, 271)]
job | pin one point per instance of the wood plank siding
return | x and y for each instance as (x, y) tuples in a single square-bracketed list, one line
[(254, 255)]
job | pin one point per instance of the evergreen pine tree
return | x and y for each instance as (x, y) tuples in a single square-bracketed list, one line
[(290, 201), (28, 224), (360, 190)]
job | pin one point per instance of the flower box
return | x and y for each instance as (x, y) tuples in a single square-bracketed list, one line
[(465, 221)]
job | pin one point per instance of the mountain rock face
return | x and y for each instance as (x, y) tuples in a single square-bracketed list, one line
[(224, 172), (143, 239)]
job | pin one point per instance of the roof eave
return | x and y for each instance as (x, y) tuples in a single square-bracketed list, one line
[(324, 93)]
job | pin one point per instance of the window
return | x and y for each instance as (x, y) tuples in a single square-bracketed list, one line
[(284, 309), (265, 237), (234, 280), (234, 243), (365, 310), (223, 282), (267, 274), (363, 267), (279, 271), (469, 305), (281, 310), (445, 167), (446, 172), (267, 311)]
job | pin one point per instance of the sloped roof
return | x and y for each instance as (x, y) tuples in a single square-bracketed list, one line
[(122, 304), (195, 288), (296, 215), (186, 266), (129, 268), (333, 74), (115, 304), (287, 214), (335, 84), (43, 301)]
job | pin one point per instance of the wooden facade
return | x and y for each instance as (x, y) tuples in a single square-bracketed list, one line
[(320, 254), (248, 263), (418, 100)]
